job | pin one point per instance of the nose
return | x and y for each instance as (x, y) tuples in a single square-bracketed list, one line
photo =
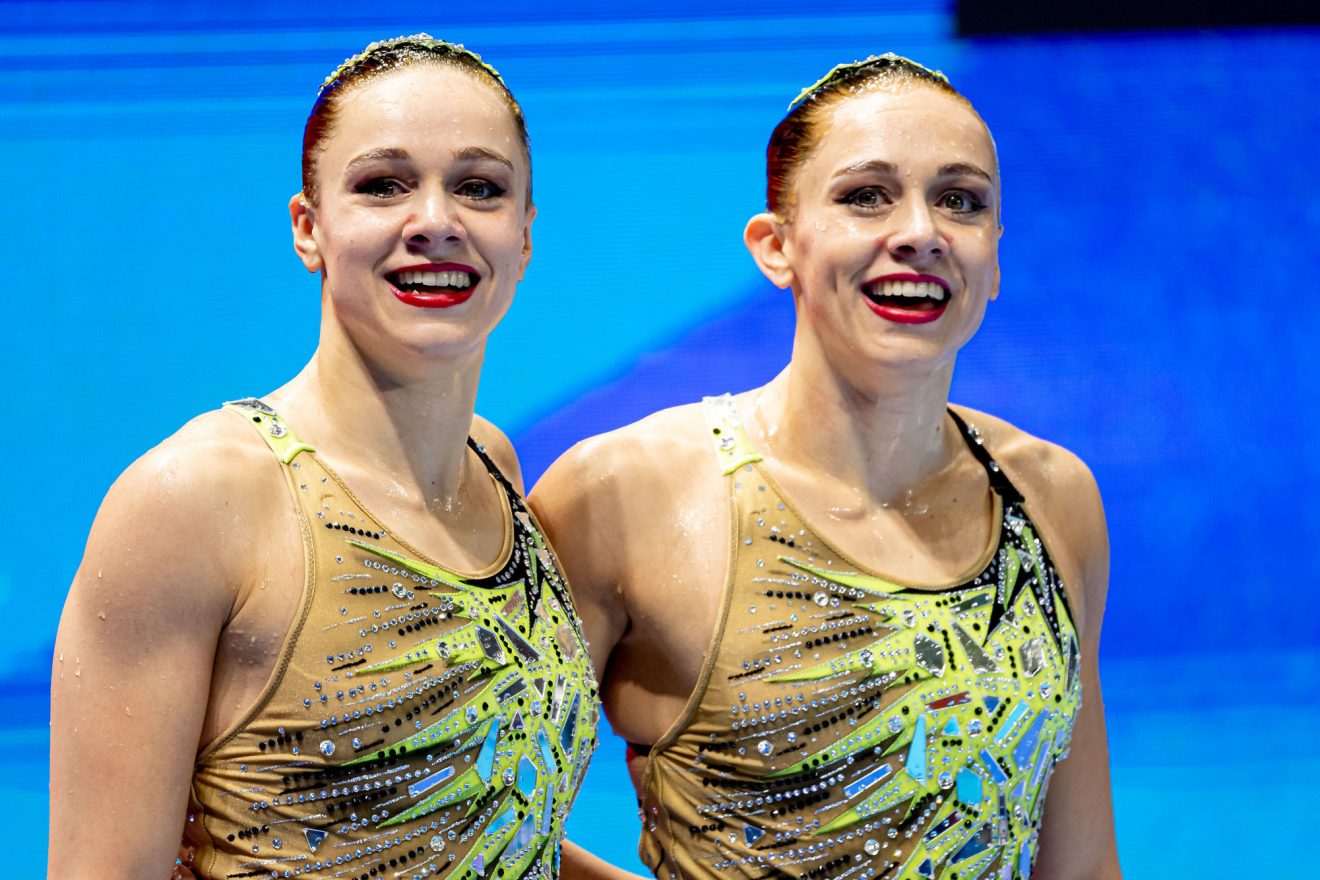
[(434, 219), (913, 234)]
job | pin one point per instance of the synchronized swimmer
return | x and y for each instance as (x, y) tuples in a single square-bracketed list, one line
[(847, 629)]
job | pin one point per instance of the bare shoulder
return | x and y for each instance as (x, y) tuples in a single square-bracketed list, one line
[(1061, 495), (184, 508), (500, 450), (1034, 462), (658, 452), (609, 506), (608, 502), (213, 463)]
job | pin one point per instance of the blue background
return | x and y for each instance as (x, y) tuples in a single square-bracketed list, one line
[(1159, 266)]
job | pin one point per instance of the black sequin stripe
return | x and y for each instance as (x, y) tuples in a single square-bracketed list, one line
[(999, 481), (493, 468)]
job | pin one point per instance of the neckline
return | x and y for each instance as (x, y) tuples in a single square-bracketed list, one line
[(298, 445), (1001, 489), (980, 566), (502, 557)]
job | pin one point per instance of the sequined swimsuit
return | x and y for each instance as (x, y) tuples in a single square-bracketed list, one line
[(846, 725), (418, 721)]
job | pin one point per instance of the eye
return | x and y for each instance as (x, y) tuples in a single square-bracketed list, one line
[(865, 197), (960, 201), (479, 189), (380, 187)]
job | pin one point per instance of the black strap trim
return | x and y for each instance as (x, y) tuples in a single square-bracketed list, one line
[(493, 468), (999, 481)]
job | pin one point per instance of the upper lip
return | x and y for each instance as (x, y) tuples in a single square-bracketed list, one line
[(908, 276)]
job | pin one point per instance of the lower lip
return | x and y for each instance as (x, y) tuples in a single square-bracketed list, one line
[(433, 300), (907, 316)]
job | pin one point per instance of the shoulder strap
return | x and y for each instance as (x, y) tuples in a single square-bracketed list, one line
[(999, 481), (493, 468), (731, 444), (278, 436)]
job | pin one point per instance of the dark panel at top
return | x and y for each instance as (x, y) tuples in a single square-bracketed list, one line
[(1002, 17), (263, 16)]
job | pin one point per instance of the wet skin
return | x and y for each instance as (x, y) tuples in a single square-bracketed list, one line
[(903, 184)]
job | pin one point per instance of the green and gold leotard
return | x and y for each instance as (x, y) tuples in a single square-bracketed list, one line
[(849, 726), (419, 721)]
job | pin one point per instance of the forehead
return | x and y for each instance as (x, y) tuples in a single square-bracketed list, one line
[(910, 126), (423, 108)]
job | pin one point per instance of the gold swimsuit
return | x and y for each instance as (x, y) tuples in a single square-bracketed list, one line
[(419, 721), (846, 725)]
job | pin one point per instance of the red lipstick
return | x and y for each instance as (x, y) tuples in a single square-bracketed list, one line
[(442, 297), (907, 310)]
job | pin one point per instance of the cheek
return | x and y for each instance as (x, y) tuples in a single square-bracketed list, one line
[(344, 237), (980, 250), (832, 248)]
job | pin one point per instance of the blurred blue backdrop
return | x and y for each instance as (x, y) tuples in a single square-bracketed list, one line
[(1156, 315)]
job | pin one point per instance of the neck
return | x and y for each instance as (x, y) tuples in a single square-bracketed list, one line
[(883, 441), (411, 429)]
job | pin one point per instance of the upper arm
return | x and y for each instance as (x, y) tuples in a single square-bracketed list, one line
[(1077, 833), (1077, 517), (132, 668), (577, 504)]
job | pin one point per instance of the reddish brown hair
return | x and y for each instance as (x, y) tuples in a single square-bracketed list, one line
[(799, 132), (385, 57)]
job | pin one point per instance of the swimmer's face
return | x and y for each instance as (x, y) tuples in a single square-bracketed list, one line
[(422, 228), (891, 246)]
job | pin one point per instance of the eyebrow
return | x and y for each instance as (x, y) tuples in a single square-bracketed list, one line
[(479, 153), (962, 169), (466, 154), (873, 166), (373, 155), (876, 166)]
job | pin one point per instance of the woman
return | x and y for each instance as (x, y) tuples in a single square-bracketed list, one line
[(848, 630), (318, 632)]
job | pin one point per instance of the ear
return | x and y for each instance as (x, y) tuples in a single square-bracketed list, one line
[(527, 242), (764, 237), (994, 286), (303, 219)]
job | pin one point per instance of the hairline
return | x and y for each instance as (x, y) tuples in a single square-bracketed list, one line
[(830, 101), (501, 90)]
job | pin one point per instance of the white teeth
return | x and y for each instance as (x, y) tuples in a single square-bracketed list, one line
[(458, 280), (914, 289)]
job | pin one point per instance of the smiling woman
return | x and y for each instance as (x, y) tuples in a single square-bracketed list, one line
[(344, 649), (890, 607)]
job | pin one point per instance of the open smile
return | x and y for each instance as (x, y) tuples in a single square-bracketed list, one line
[(434, 285), (907, 298)]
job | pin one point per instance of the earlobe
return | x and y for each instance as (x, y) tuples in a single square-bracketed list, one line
[(994, 286), (302, 217), (765, 241)]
